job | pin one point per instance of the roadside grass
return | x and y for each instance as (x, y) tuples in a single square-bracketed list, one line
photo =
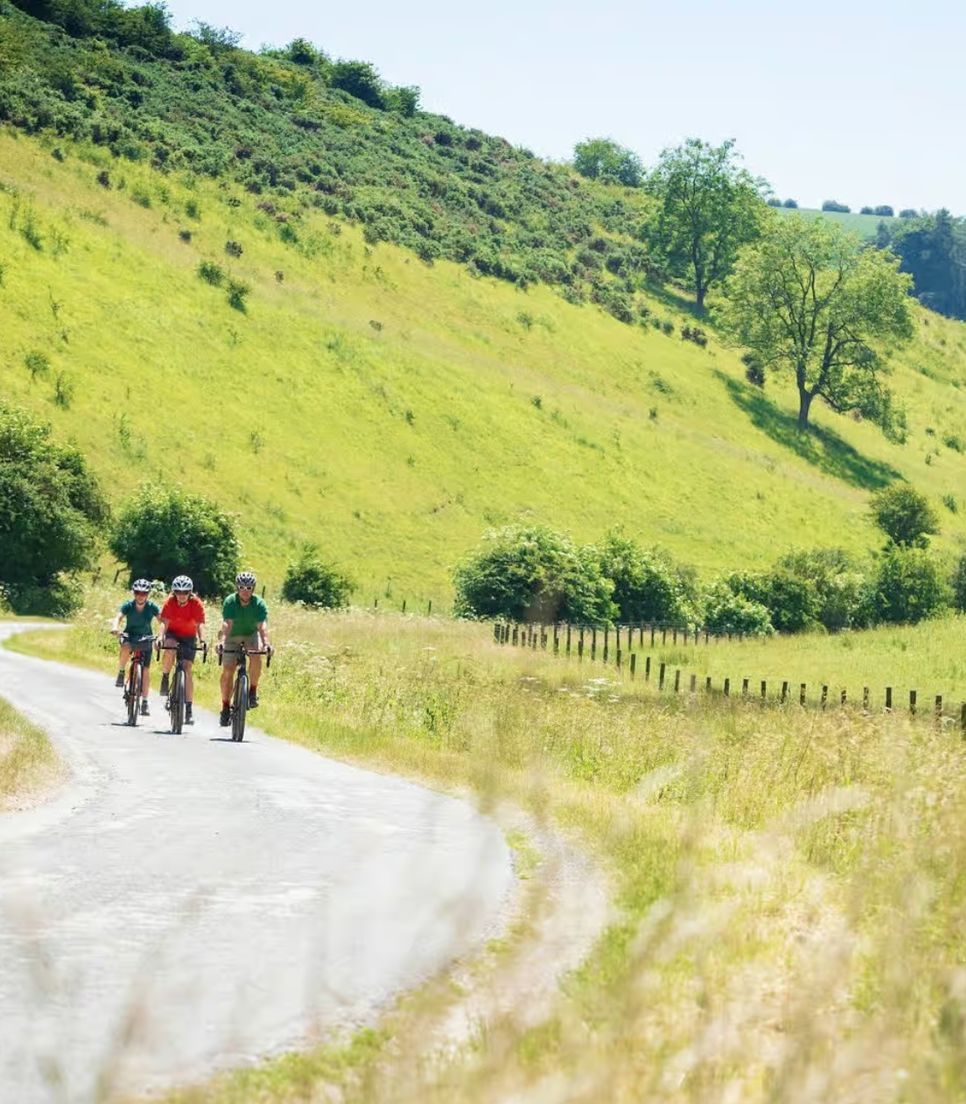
[(28, 762), (791, 883), (394, 410)]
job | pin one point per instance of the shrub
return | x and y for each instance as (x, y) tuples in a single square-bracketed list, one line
[(237, 294), (904, 515), (313, 582), (959, 585), (233, 248), (647, 586), (531, 573), (754, 369), (843, 592), (725, 611), (908, 586), (51, 508), (792, 204), (164, 532), (834, 205), (211, 273), (792, 601), (884, 211)]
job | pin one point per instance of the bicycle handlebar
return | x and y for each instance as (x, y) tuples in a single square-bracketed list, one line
[(202, 644), (269, 651)]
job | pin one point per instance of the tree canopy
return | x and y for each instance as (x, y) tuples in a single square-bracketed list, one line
[(904, 515), (709, 207), (604, 159), (810, 300), (51, 508)]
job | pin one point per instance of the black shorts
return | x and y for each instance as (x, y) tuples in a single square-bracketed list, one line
[(189, 645), (146, 650)]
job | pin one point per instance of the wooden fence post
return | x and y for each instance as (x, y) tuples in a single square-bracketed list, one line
[(429, 608), (727, 687), (801, 694), (677, 681), (568, 638), (962, 719), (660, 676), (888, 697), (404, 605), (606, 641), (824, 696), (865, 698), (674, 636), (647, 668), (744, 688), (652, 636), (694, 683), (707, 684), (912, 702), (844, 695), (939, 708), (593, 643), (764, 690), (633, 664), (663, 635), (618, 655), (556, 638), (784, 692)]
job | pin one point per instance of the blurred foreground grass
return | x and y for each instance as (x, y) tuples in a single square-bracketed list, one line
[(28, 762), (791, 883)]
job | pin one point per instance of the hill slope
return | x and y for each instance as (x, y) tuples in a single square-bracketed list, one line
[(392, 410)]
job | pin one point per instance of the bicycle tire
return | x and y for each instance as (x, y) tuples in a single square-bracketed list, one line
[(133, 693), (177, 702), (241, 707)]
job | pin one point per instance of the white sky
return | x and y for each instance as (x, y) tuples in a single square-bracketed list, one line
[(856, 101)]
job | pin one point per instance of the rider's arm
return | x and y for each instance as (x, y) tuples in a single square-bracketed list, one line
[(262, 629), (225, 631), (117, 623)]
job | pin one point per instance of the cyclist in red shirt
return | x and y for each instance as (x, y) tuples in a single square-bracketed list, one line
[(182, 620)]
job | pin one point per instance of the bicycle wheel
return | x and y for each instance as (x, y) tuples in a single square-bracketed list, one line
[(177, 701), (241, 707), (133, 694)]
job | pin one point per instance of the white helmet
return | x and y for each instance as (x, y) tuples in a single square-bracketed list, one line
[(245, 579), (182, 585), (141, 586)]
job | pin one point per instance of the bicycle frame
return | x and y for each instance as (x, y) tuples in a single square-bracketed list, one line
[(239, 693), (176, 700), (134, 683)]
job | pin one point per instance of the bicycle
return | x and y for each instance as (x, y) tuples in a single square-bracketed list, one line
[(134, 683), (176, 701), (239, 695)]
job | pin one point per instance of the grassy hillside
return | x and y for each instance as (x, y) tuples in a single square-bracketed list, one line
[(392, 410), (863, 225)]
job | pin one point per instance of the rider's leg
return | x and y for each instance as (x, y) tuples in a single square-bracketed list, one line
[(254, 670), (123, 657), (189, 696)]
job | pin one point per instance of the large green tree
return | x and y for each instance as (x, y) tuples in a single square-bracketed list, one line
[(604, 159), (810, 299), (51, 509), (709, 207)]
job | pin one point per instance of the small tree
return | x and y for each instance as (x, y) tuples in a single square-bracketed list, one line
[(810, 299), (531, 573), (909, 586), (904, 515), (51, 510), (164, 532), (604, 159), (842, 588), (313, 582), (726, 611), (709, 208)]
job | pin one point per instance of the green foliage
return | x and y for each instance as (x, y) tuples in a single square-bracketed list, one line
[(836, 339), (164, 532), (316, 583), (531, 573), (603, 159), (932, 248), (726, 611), (909, 586), (792, 602), (709, 208), (51, 508), (842, 590), (959, 585), (211, 273), (647, 586), (904, 515), (835, 206)]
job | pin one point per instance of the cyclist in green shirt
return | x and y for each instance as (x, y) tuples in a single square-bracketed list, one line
[(245, 617), (137, 615)]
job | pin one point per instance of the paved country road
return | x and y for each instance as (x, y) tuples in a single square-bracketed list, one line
[(184, 904)]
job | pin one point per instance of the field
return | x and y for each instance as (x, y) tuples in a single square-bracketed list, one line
[(789, 882), (391, 410), (863, 225)]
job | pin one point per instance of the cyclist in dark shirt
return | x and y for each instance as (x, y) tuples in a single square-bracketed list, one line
[(245, 616), (137, 615)]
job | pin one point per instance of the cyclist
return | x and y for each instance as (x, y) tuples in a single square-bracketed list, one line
[(245, 616), (182, 622), (137, 614)]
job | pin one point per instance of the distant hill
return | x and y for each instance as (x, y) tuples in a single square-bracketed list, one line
[(262, 346)]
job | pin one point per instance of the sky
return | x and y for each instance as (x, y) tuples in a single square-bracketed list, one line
[(859, 102)]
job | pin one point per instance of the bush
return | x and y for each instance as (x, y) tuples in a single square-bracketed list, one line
[(164, 532), (792, 204), (834, 205), (531, 573), (908, 586), (904, 515), (725, 611), (647, 586), (211, 273), (313, 582), (959, 585), (792, 602), (843, 592), (51, 509)]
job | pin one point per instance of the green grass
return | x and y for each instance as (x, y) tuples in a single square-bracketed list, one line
[(791, 883), (469, 404), (28, 762), (863, 225)]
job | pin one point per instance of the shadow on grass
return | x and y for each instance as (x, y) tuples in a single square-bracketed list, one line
[(676, 299), (823, 448)]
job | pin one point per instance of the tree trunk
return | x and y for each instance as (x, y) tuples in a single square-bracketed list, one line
[(804, 403), (701, 291)]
